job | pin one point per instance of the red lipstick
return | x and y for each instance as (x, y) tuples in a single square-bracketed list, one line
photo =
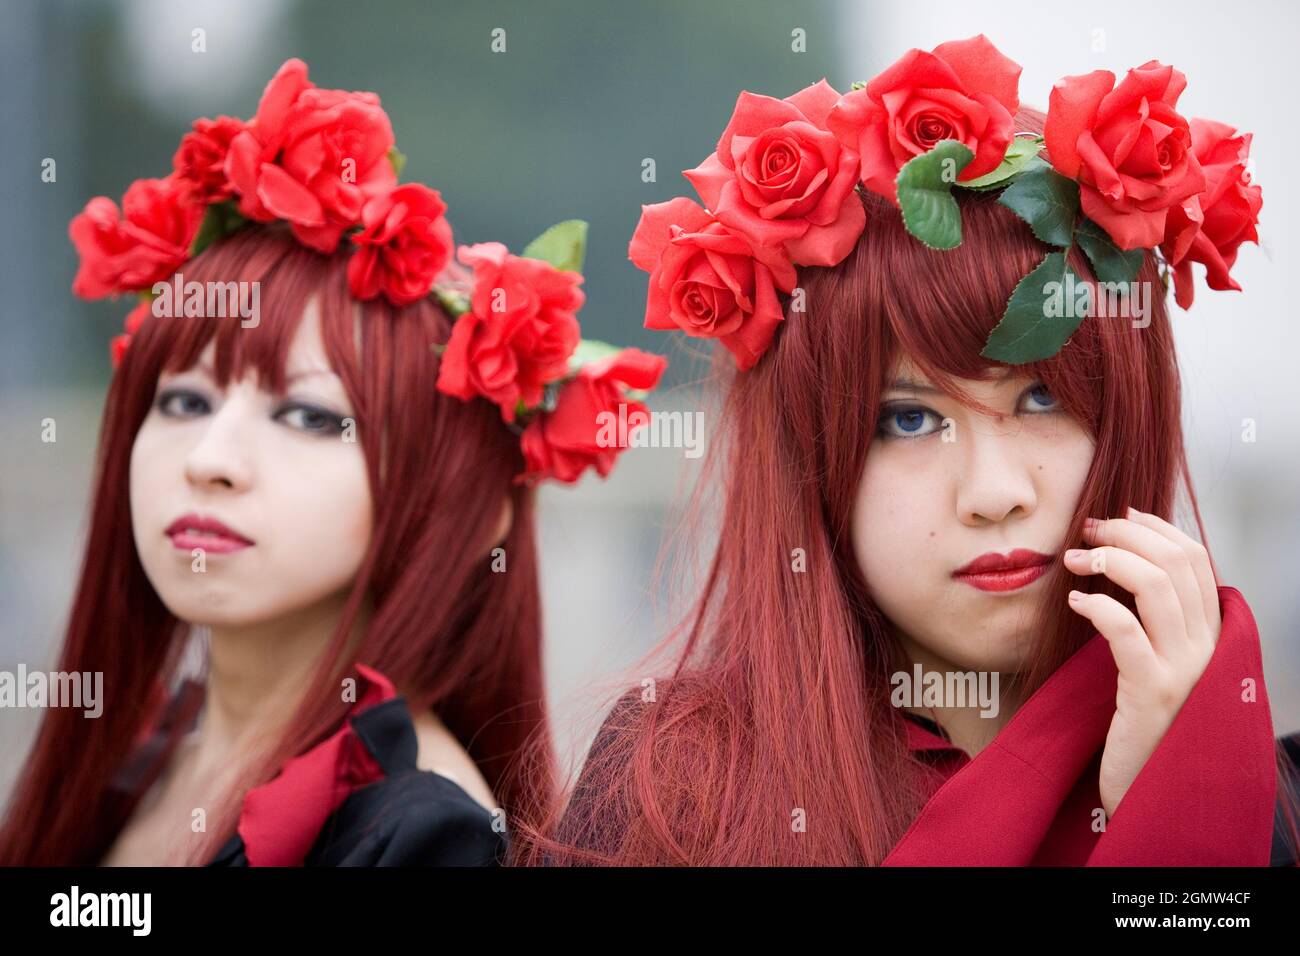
[(192, 531), (1004, 572)]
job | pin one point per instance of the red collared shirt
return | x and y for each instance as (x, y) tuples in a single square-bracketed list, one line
[(1206, 796)]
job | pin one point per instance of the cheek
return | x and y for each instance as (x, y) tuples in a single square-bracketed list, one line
[(157, 490), (1065, 459), (322, 520), (895, 520), (154, 462)]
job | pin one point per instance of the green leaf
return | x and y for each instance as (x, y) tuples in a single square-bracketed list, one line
[(858, 85), (588, 351), (1109, 261), (220, 220), (563, 245), (925, 194), (454, 302), (1022, 154), (1047, 201), (1042, 313), (398, 160)]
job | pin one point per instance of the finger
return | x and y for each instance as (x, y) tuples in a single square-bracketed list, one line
[(1157, 599), (1164, 554), (1129, 643), (1197, 555)]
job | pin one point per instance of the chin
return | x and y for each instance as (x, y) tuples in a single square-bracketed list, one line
[(212, 606), (991, 648), (1008, 655)]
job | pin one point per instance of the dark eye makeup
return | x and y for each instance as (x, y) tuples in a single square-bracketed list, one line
[(303, 416)]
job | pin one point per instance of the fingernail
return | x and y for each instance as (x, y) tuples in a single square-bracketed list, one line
[(1076, 596), (1073, 553), (1134, 513)]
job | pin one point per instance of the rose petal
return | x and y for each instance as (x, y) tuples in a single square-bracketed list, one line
[(286, 198), (1071, 110), (983, 68)]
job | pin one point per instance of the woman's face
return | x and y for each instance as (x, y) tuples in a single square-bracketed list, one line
[(285, 474), (943, 485)]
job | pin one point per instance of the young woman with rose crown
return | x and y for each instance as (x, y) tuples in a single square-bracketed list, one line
[(310, 579), (934, 464)]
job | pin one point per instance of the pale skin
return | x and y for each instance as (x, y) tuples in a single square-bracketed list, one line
[(273, 468), (927, 506)]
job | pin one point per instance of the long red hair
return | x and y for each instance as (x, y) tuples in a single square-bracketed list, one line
[(450, 632), (778, 683)]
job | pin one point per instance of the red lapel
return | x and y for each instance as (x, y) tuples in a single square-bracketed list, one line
[(1205, 796), (282, 818)]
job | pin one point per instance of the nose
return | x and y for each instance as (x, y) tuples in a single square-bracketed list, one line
[(220, 458), (994, 480)]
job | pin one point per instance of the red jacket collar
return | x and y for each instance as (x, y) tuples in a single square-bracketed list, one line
[(922, 738), (282, 818), (1205, 796)]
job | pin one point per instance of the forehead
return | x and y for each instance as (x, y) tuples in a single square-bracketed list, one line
[(306, 349), (304, 357), (908, 373)]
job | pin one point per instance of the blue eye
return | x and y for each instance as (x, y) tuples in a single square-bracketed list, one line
[(1039, 393), (905, 422)]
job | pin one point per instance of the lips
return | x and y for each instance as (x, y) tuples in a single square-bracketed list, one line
[(1004, 572), (192, 531)]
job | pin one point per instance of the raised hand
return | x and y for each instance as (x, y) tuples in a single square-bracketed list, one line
[(1160, 656)]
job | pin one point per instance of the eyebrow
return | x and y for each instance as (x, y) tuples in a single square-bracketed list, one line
[(207, 369), (308, 373), (908, 385)]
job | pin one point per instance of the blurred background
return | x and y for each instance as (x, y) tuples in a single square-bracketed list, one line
[(557, 127)]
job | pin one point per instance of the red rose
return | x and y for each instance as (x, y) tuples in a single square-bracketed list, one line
[(311, 157), (562, 443), (781, 178), (151, 240), (200, 160), (117, 347), (1209, 228), (519, 332), (1127, 146), (406, 241), (964, 90), (708, 280)]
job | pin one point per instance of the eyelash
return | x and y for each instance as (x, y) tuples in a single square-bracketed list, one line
[(333, 423), (892, 411)]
